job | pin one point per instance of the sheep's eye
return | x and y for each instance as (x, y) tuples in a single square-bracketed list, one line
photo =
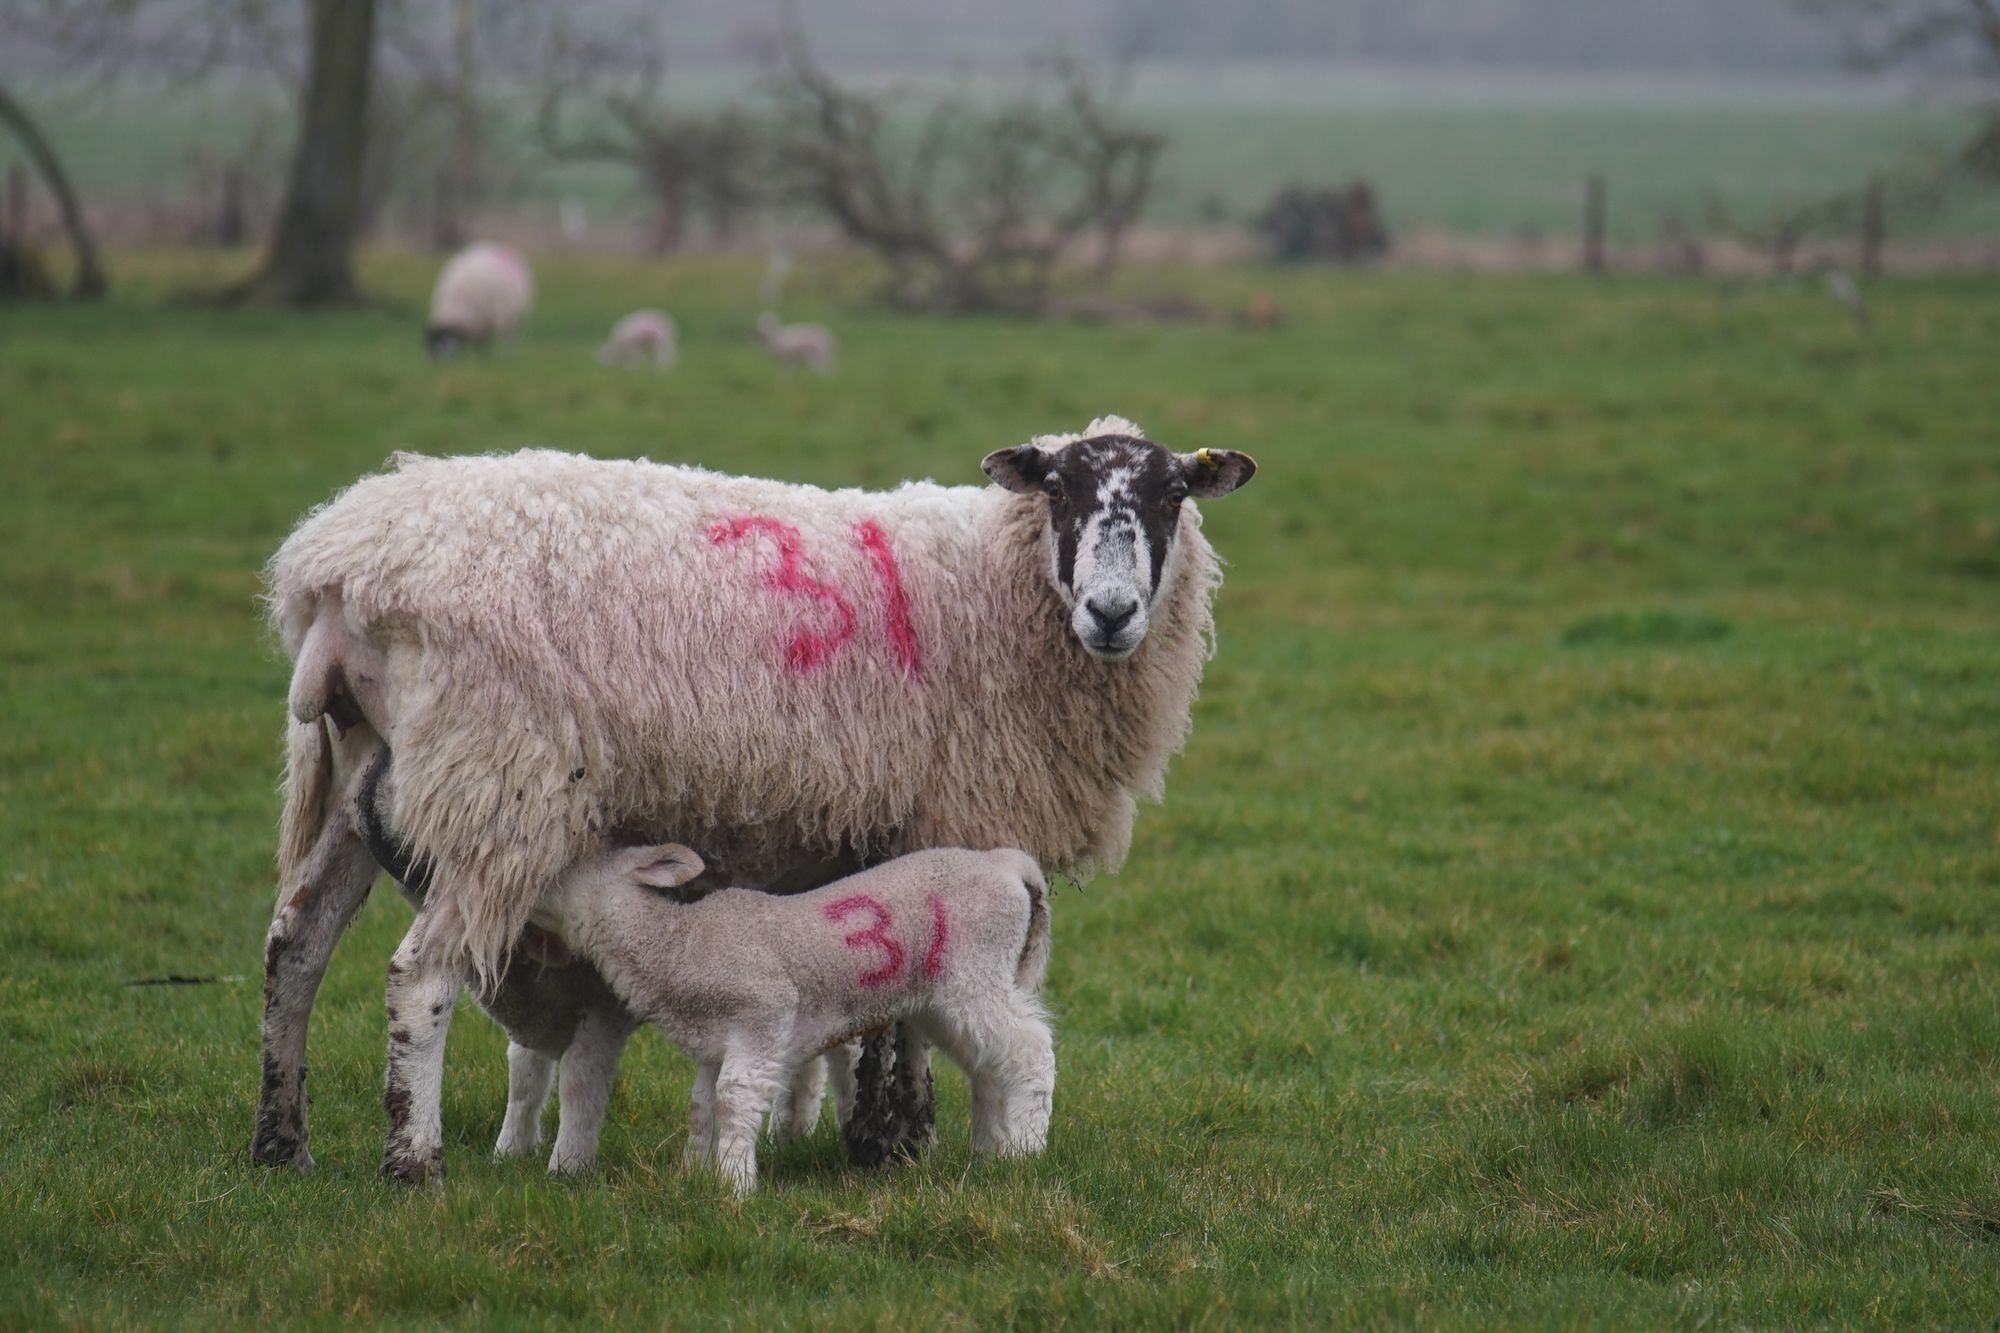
[(1176, 494), (1052, 487)]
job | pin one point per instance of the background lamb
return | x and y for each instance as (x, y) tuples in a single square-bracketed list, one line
[(482, 294), (752, 984), (641, 336), (809, 345), (799, 681)]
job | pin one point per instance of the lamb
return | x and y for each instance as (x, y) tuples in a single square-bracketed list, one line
[(482, 294), (641, 335), (751, 984), (563, 653), (809, 345)]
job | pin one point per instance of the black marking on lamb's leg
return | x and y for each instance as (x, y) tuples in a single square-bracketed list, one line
[(869, 1132)]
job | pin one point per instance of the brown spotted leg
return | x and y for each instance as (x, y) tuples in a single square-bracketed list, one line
[(895, 1110), (421, 992), (316, 902)]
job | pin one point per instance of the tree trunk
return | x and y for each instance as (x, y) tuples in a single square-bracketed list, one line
[(310, 260), (88, 284)]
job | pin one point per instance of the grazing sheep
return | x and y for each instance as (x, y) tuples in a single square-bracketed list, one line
[(809, 345), (751, 985), (482, 294), (566, 653), (641, 335)]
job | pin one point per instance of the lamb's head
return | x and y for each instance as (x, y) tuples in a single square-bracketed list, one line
[(1114, 512)]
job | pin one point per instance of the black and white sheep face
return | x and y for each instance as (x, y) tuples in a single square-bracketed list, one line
[(1114, 511)]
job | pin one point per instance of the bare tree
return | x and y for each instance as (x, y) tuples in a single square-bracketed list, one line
[(1958, 36), (87, 283), (981, 208), (602, 102)]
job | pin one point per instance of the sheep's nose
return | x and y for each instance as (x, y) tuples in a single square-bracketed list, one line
[(1112, 616)]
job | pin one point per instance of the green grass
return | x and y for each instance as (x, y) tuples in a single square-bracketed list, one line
[(1578, 905)]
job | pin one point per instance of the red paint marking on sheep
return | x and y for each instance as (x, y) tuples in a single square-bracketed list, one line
[(807, 649), (901, 626), (940, 938), (876, 934)]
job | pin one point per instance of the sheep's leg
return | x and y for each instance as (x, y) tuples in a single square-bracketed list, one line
[(916, 1099), (744, 1089), (319, 897), (421, 993), (588, 1069), (796, 1112), (894, 1112), (530, 1077), (700, 1150)]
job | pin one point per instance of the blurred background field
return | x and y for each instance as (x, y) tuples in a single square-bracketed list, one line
[(1480, 155), (1576, 905)]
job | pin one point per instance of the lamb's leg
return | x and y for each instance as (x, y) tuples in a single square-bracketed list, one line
[(744, 1088), (796, 1112), (1024, 1068), (700, 1150), (530, 1076), (421, 993), (318, 898), (840, 1062), (588, 1069)]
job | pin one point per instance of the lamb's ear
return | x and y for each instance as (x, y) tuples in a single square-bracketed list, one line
[(667, 866), (1019, 469), (1213, 472)]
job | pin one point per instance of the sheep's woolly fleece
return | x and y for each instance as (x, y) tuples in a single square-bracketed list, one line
[(771, 673), (483, 291)]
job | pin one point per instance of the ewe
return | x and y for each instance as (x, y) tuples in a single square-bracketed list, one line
[(565, 654), (481, 295), (751, 985)]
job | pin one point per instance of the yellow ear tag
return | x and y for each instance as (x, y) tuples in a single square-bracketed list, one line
[(1207, 463)]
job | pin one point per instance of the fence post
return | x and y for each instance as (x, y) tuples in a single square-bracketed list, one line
[(15, 224), (1593, 223), (1874, 227)]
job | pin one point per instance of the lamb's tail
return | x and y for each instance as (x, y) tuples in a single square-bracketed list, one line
[(1034, 963), (308, 780)]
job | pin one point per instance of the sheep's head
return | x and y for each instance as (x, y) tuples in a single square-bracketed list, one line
[(1114, 511), (443, 341)]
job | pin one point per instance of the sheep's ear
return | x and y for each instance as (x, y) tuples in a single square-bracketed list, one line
[(1019, 469), (1213, 472), (667, 866)]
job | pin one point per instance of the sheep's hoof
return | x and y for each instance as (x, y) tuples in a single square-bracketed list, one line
[(409, 1169), (291, 1157), (274, 1147)]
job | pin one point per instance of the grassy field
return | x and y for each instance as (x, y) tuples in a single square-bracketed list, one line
[(1477, 155), (1579, 904)]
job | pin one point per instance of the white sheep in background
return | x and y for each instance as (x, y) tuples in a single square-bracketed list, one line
[(566, 652), (482, 294), (752, 984), (809, 345), (640, 336)]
